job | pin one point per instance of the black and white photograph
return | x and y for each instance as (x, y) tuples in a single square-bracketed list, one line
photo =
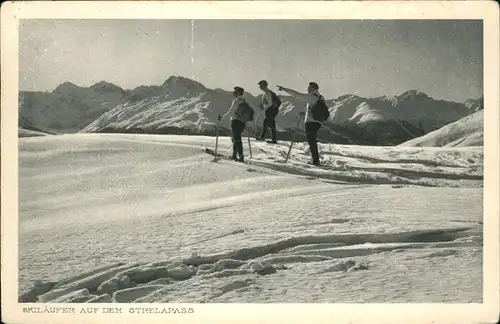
[(257, 161)]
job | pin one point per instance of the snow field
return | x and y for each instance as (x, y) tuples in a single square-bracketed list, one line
[(146, 218)]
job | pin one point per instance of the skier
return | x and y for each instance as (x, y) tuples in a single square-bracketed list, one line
[(241, 113), (271, 104), (313, 99)]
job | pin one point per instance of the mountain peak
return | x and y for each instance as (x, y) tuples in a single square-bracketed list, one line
[(348, 96), (183, 82), (106, 86), (66, 87), (412, 95)]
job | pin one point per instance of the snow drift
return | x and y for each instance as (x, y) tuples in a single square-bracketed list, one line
[(144, 218), (468, 131)]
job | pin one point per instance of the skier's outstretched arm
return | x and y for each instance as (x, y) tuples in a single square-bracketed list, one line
[(301, 96), (291, 91)]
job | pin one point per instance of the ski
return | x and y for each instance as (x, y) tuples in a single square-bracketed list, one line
[(322, 166), (218, 156)]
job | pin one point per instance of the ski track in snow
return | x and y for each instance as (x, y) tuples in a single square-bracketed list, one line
[(149, 218)]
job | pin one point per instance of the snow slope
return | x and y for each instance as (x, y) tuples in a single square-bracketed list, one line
[(149, 218), (184, 106), (29, 133), (468, 131)]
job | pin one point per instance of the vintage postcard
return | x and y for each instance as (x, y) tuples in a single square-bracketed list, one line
[(250, 162)]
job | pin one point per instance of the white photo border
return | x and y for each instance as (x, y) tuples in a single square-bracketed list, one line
[(488, 11)]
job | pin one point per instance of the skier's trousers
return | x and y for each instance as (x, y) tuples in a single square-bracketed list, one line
[(312, 129), (237, 128), (270, 122)]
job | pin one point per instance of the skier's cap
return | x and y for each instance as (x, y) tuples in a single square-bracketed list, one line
[(239, 89), (314, 85), (263, 82)]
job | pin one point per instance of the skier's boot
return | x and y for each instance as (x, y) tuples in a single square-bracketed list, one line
[(240, 151), (316, 163)]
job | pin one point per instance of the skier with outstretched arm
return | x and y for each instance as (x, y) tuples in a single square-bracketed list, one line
[(314, 117), (240, 112)]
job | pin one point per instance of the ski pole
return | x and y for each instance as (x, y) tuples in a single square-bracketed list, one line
[(255, 123), (293, 138), (249, 146), (216, 137)]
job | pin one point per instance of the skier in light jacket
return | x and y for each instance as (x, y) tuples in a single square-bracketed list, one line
[(312, 126), (238, 122)]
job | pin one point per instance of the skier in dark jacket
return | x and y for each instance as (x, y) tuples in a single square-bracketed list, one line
[(271, 110)]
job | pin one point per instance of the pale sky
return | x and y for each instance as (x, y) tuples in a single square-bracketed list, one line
[(370, 58)]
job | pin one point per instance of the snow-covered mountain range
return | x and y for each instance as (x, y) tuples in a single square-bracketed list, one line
[(68, 108), (184, 106)]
